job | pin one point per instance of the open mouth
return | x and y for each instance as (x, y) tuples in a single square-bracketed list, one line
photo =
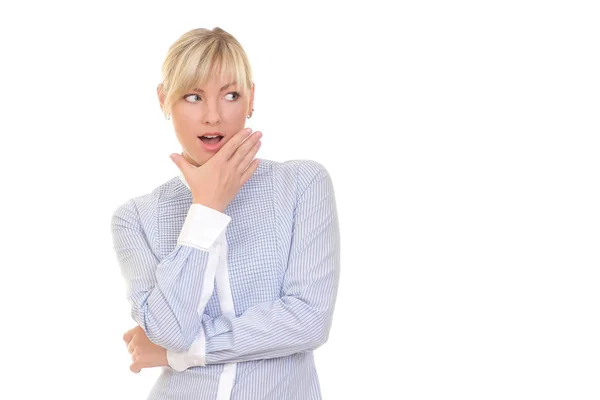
[(211, 139)]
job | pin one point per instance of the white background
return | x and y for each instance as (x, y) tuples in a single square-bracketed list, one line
[(462, 139)]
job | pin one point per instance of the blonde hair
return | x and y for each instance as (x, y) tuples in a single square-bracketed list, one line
[(196, 56)]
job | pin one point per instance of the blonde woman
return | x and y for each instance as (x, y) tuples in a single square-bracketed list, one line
[(232, 266)]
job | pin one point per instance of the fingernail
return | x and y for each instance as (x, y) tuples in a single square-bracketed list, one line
[(248, 130)]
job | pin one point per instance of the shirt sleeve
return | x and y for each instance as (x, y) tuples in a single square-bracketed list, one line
[(164, 296), (300, 319)]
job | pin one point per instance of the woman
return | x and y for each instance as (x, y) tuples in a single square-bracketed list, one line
[(231, 267)]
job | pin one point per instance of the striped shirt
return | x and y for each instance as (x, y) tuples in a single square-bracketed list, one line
[(239, 299)]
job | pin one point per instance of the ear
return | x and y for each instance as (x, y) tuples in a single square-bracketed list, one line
[(161, 95), (252, 98)]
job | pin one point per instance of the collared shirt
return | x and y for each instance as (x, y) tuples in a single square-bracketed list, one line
[(239, 299)]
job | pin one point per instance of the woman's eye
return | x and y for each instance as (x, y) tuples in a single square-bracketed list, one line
[(236, 94), (194, 98), (191, 96)]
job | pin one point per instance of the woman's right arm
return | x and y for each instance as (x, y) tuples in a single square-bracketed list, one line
[(168, 297)]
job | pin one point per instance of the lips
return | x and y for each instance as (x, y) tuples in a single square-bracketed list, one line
[(211, 144), (211, 134)]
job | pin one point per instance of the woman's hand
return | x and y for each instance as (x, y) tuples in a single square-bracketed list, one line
[(218, 181), (144, 353)]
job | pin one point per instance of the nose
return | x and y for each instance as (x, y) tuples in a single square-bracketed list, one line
[(211, 116)]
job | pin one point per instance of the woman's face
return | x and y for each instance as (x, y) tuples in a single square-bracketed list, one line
[(216, 108)]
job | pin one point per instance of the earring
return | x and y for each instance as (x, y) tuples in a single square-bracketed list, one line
[(167, 117), (250, 115)]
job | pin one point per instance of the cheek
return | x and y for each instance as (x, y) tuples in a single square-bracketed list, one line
[(234, 112), (185, 122), (184, 114)]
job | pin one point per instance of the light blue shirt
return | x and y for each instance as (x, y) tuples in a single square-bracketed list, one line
[(239, 299)]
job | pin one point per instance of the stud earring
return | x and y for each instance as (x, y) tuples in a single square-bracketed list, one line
[(250, 115)]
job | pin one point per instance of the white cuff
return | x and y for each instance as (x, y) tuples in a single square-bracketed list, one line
[(194, 357), (202, 227)]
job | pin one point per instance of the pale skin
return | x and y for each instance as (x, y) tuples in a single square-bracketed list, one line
[(144, 353), (211, 108)]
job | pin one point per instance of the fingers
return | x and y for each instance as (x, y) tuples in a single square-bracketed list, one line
[(183, 165), (229, 148), (131, 346), (137, 364), (247, 147), (135, 368), (129, 335), (130, 338), (248, 158), (248, 173)]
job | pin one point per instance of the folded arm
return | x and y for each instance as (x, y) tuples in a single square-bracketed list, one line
[(164, 296), (301, 318)]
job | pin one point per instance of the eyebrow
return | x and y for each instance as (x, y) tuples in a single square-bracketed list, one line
[(223, 88)]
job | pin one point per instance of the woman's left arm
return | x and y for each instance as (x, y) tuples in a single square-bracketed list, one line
[(301, 318)]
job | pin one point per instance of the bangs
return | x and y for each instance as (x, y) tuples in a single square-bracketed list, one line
[(215, 61)]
